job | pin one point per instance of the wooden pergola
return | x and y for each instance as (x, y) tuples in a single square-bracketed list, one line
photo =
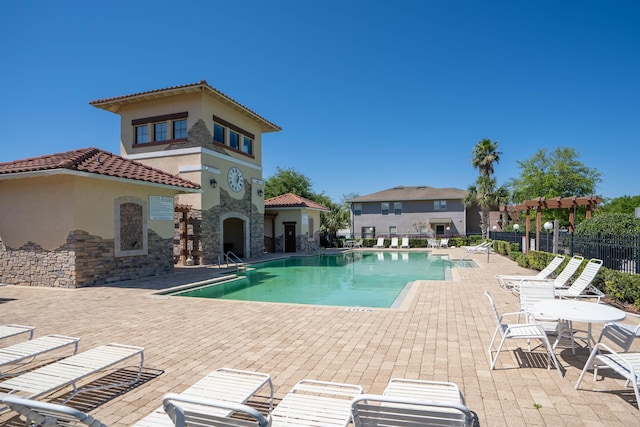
[(541, 203)]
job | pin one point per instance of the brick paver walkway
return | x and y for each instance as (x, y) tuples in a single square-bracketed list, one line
[(440, 333)]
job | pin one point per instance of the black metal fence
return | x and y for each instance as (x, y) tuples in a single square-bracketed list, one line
[(616, 252)]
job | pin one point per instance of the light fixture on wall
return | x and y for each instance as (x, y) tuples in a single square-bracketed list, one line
[(260, 192), (213, 182)]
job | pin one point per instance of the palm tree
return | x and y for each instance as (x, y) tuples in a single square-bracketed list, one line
[(485, 154), (484, 192)]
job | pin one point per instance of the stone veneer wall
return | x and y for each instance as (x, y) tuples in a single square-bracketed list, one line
[(207, 236), (85, 260)]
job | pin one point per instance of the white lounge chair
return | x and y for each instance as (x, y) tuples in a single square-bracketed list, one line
[(480, 248), (309, 403), (583, 283), (625, 364), (506, 279), (444, 242), (69, 371), (563, 278), (357, 243), (12, 330), (232, 386), (38, 413), (440, 391), (30, 349), (380, 243), (371, 410), (405, 243), (523, 331), (316, 403), (190, 411), (394, 242)]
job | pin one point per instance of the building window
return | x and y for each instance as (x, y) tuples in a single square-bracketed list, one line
[(160, 131), (247, 145), (142, 134), (234, 140), (440, 205), (218, 133), (393, 229), (368, 232), (384, 207), (397, 208), (357, 209), (179, 129), (159, 128)]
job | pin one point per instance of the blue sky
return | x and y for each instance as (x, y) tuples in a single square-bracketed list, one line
[(370, 94)]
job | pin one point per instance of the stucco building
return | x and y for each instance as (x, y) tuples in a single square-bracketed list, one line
[(85, 217), (291, 221), (200, 134), (417, 210)]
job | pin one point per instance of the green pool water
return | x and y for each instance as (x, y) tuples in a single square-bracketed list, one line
[(357, 279)]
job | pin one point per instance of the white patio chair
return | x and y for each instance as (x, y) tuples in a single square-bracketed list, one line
[(433, 243), (394, 242), (530, 294), (405, 243), (621, 334), (522, 331), (625, 364), (46, 414), (444, 242)]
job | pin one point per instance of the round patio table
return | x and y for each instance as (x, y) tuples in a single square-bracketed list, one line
[(578, 311)]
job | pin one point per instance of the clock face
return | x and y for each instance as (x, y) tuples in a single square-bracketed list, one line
[(235, 179)]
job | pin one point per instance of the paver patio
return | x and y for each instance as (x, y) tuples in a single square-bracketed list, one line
[(441, 333)]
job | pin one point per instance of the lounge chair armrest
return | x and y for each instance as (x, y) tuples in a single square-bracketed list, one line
[(177, 415)]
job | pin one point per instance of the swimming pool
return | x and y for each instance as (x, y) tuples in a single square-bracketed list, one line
[(356, 279)]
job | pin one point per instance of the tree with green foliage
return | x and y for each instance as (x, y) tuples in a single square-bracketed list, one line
[(624, 204), (288, 181), (550, 174), (485, 193), (618, 224), (291, 181), (557, 173)]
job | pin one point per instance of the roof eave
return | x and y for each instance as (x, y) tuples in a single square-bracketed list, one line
[(114, 104), (62, 171)]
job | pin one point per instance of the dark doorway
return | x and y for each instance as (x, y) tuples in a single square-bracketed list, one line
[(289, 236)]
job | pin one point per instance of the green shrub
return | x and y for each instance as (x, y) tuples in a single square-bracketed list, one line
[(619, 224), (620, 286)]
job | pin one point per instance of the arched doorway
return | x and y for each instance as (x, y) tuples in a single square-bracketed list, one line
[(235, 235)]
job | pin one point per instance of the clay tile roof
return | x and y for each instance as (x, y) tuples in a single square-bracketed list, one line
[(96, 161), (290, 200), (110, 103)]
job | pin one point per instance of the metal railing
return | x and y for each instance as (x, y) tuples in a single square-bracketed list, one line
[(619, 253), (232, 258), (314, 246)]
